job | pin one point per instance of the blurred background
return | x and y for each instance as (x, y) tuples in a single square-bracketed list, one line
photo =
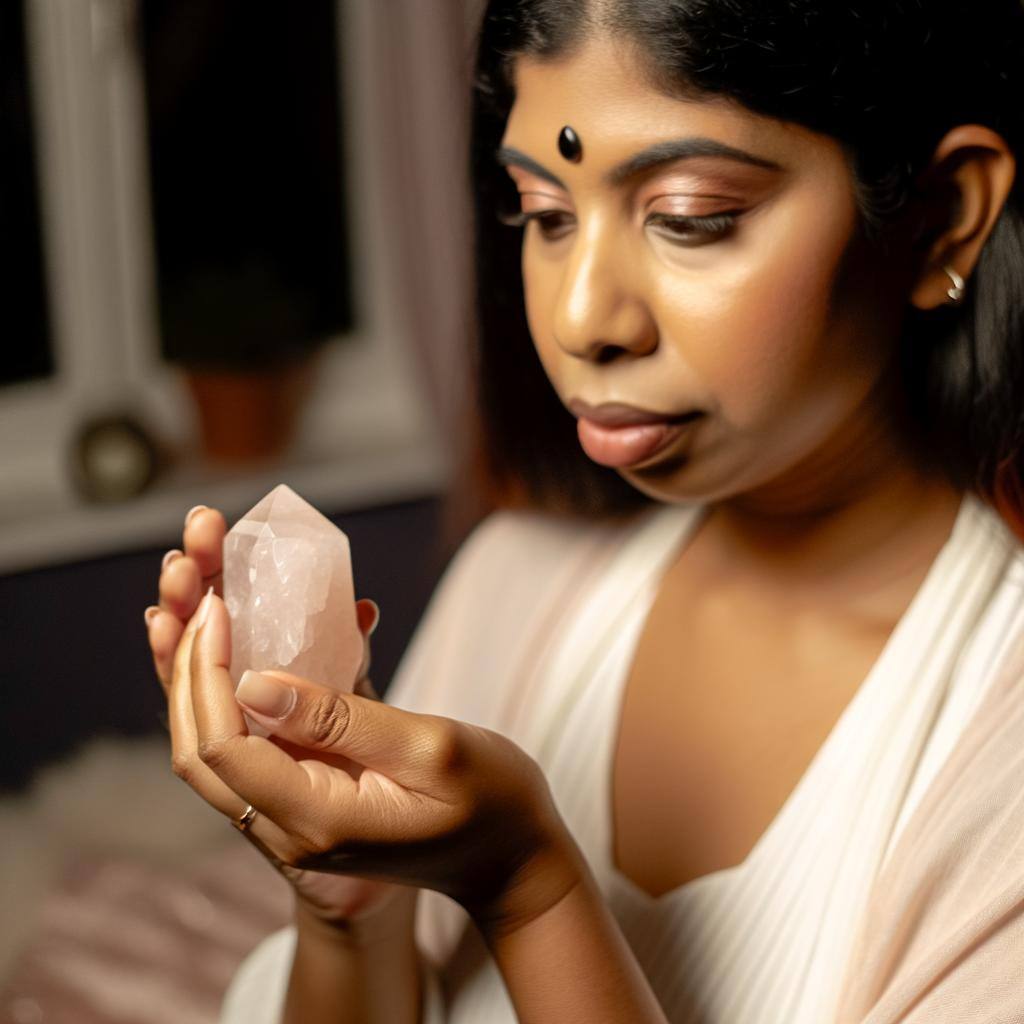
[(236, 243)]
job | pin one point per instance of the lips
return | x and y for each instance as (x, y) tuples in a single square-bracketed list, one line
[(618, 435)]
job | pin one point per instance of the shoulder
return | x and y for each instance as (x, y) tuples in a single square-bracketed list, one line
[(528, 530), (514, 574), (514, 563), (524, 545)]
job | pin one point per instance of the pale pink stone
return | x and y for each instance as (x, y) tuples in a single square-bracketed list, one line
[(288, 589)]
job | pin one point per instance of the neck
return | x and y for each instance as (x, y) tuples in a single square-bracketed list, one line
[(861, 502)]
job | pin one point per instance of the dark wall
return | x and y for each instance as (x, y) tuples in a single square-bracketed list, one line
[(76, 663)]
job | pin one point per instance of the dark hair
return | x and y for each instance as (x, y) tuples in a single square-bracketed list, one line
[(876, 75)]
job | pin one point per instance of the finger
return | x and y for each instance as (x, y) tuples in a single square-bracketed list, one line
[(367, 615), (184, 716), (204, 543), (189, 767), (181, 718), (364, 665), (164, 632), (272, 841), (254, 767), (404, 746), (315, 804), (368, 618), (180, 587)]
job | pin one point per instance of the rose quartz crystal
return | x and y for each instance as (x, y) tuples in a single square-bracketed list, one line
[(288, 589)]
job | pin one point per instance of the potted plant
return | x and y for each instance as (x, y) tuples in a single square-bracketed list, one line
[(243, 116), (247, 343)]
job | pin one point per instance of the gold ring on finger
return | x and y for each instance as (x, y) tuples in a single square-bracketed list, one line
[(245, 819)]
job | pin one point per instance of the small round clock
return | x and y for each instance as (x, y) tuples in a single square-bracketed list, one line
[(113, 458)]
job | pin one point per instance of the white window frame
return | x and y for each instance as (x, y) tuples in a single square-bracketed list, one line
[(370, 433)]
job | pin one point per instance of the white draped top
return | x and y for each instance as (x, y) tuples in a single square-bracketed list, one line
[(532, 631)]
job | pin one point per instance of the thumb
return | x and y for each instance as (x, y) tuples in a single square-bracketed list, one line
[(375, 735)]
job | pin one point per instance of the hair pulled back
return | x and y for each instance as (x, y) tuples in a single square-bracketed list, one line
[(885, 78)]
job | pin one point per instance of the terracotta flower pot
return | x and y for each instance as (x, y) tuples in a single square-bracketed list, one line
[(249, 416)]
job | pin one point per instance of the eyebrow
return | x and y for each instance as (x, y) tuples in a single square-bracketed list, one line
[(507, 156), (653, 156), (684, 149)]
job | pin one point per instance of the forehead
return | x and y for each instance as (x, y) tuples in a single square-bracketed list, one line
[(604, 92)]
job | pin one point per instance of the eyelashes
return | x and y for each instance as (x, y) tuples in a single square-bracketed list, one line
[(675, 228), (552, 224), (693, 230)]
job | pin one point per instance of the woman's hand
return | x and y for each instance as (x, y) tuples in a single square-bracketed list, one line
[(418, 800), (184, 578), (353, 792)]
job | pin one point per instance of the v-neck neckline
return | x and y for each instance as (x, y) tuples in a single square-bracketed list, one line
[(674, 550)]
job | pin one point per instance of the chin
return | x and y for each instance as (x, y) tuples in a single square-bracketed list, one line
[(680, 481), (664, 484)]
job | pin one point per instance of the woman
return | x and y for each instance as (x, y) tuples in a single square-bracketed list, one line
[(753, 623)]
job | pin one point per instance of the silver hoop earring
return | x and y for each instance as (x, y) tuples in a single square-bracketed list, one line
[(956, 293)]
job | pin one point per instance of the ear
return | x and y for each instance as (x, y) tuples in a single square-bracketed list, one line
[(964, 189)]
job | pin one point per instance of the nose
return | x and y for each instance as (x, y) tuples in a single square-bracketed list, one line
[(601, 314)]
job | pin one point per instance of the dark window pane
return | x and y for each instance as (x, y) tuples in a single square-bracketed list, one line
[(244, 134), (27, 352)]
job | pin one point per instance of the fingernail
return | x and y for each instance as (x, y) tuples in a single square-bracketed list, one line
[(170, 557), (204, 609), (150, 614), (376, 621), (265, 695), (193, 511)]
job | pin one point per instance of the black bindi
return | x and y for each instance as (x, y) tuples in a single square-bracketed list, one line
[(569, 145)]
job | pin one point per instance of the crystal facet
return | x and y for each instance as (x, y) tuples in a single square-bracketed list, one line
[(288, 589)]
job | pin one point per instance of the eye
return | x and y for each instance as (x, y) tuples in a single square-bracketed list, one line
[(552, 224), (682, 230)]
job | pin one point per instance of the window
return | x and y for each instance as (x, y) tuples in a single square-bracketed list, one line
[(243, 111), (131, 168), (27, 351)]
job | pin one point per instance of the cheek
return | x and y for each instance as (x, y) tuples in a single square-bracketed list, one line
[(765, 331), (540, 290)]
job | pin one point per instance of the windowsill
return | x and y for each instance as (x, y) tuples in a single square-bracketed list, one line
[(69, 529)]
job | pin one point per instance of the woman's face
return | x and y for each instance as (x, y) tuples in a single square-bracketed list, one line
[(733, 288)]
